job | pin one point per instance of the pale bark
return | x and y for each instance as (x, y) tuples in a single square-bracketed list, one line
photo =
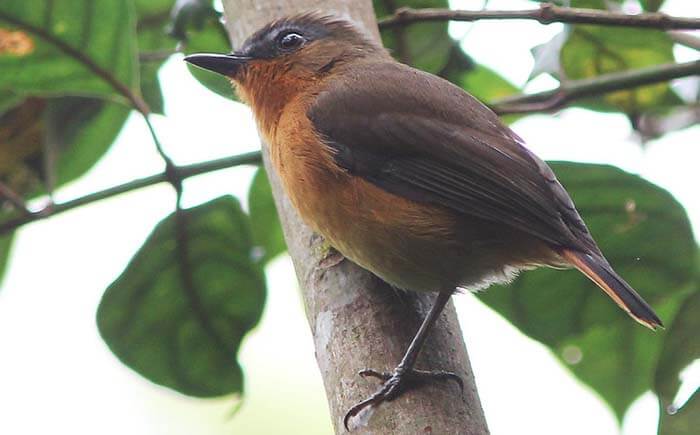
[(356, 320)]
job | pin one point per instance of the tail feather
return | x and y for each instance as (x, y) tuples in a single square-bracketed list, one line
[(600, 272)]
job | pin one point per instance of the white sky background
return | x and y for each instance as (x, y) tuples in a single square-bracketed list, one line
[(57, 376)]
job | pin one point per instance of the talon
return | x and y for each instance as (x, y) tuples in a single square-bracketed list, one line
[(424, 375), (395, 384), (384, 376), (331, 258)]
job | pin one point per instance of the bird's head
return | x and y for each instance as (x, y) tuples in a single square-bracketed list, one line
[(288, 55)]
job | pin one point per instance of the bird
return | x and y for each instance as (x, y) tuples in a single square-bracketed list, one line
[(406, 174)]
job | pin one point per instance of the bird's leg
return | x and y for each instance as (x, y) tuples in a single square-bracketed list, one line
[(404, 375)]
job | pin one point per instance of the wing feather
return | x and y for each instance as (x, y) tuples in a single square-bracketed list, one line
[(430, 141)]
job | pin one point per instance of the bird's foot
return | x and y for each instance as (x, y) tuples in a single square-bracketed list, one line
[(331, 258), (397, 383)]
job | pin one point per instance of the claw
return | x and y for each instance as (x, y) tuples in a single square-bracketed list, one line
[(394, 384), (369, 373)]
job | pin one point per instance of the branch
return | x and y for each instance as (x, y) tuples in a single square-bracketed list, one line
[(182, 172), (547, 13), (603, 84), (685, 39), (356, 320)]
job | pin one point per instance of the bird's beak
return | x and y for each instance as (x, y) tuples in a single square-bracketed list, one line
[(225, 64)]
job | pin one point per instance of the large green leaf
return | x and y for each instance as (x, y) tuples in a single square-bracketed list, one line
[(81, 130), (154, 45), (646, 235), (424, 45), (5, 245), (198, 26), (70, 47), (651, 5), (265, 223), (76, 130), (681, 348), (212, 37), (591, 51), (182, 336), (684, 421)]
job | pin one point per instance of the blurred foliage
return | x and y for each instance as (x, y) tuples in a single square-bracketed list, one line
[(68, 47), (591, 51), (47, 142), (189, 26), (5, 244), (177, 314), (424, 45), (428, 46), (180, 336), (265, 224), (684, 421), (646, 235), (680, 349), (587, 51)]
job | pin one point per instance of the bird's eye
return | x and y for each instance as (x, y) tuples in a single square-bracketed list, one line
[(291, 41)]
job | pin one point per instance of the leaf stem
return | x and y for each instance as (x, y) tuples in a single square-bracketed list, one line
[(577, 89), (182, 172), (547, 13)]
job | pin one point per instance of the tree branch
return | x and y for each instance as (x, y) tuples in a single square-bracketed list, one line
[(356, 320), (182, 172), (606, 83), (547, 13)]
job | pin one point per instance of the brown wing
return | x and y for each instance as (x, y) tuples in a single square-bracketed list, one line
[(421, 137)]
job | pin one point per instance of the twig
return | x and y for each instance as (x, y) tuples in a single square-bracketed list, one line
[(576, 89), (547, 13), (685, 39), (183, 172), (6, 192)]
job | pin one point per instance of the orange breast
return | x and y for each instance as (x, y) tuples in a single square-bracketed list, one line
[(414, 246), (410, 245)]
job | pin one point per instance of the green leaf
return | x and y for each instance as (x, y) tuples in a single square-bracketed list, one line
[(594, 50), (685, 421), (188, 14), (486, 85), (8, 100), (646, 235), (265, 223), (425, 46), (651, 5), (154, 43), (187, 337), (82, 131), (69, 47), (78, 130), (211, 38), (5, 245), (682, 347)]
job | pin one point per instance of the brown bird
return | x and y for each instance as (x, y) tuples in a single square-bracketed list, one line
[(406, 174)]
